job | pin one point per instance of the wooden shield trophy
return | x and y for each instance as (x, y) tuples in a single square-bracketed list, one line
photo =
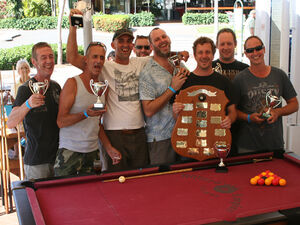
[(197, 131)]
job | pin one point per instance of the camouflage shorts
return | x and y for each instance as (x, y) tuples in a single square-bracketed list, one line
[(71, 163)]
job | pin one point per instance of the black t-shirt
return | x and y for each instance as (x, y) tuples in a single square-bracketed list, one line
[(215, 80), (40, 125), (229, 70)]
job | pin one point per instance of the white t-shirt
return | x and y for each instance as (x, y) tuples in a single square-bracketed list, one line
[(124, 109)]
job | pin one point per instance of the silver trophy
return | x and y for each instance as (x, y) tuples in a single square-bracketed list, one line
[(38, 87), (175, 62), (222, 150), (99, 89), (272, 101)]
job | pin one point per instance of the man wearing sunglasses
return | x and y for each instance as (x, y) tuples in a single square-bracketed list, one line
[(142, 46), (257, 88)]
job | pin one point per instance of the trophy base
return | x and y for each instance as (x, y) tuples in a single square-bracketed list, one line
[(98, 106), (221, 169)]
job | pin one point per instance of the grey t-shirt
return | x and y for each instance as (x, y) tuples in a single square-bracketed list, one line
[(251, 94)]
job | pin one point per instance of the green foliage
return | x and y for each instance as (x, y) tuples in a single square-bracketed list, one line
[(15, 9), (3, 9), (203, 18), (10, 56), (142, 19), (155, 8), (43, 22), (36, 8), (111, 23)]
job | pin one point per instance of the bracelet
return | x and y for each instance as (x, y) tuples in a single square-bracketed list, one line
[(27, 104), (172, 89), (85, 113), (248, 118)]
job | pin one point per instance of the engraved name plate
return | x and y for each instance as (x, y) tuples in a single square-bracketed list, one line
[(201, 133), (181, 144), (201, 105), (215, 107), (193, 151), (220, 132), (188, 107), (202, 114), (215, 119), (201, 123), (186, 119), (182, 131)]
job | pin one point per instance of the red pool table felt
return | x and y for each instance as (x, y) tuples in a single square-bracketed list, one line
[(192, 197)]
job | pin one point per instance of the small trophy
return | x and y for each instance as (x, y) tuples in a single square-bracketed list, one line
[(38, 87), (222, 150), (175, 62), (99, 88), (77, 19), (272, 101)]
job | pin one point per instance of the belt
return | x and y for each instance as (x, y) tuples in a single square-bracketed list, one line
[(131, 131)]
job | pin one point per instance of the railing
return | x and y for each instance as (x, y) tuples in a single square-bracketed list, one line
[(219, 8)]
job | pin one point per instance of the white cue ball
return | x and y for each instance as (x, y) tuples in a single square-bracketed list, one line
[(122, 179)]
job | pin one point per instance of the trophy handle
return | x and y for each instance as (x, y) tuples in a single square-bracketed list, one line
[(47, 86), (91, 86), (106, 83), (30, 86)]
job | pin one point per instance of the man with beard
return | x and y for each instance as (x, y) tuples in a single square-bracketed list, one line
[(227, 65), (256, 85), (142, 46), (38, 113), (79, 122), (158, 83)]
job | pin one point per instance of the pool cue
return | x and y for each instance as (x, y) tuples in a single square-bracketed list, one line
[(7, 160), (21, 163), (3, 131)]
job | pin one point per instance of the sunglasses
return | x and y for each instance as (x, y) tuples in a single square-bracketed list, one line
[(146, 47), (257, 48), (96, 43)]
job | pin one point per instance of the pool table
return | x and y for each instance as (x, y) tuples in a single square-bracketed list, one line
[(189, 193)]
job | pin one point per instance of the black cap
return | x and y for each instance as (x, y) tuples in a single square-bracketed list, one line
[(121, 32)]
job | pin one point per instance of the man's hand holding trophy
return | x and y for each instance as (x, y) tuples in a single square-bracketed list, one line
[(38, 90), (268, 112)]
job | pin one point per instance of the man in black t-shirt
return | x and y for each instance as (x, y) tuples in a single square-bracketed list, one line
[(227, 65), (38, 113), (204, 50)]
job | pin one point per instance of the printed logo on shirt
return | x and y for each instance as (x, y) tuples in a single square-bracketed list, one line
[(127, 85)]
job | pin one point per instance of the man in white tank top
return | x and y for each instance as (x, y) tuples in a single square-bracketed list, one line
[(79, 122)]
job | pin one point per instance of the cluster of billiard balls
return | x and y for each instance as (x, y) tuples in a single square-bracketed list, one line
[(267, 178)]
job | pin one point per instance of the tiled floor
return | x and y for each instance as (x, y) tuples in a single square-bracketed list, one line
[(11, 218)]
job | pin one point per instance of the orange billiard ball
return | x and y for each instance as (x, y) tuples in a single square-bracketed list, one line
[(253, 181), (268, 181), (282, 182)]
